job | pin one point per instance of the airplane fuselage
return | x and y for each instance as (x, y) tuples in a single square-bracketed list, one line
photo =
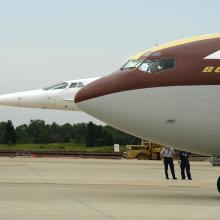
[(56, 97), (169, 94)]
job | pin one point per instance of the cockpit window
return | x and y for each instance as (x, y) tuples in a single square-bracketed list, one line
[(80, 84), (157, 65), (76, 85), (148, 66), (131, 64), (165, 64), (73, 85), (57, 86)]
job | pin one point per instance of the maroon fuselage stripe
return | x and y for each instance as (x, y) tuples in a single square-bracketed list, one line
[(190, 63)]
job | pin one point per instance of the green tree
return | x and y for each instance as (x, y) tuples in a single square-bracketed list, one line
[(35, 130), (80, 132), (2, 131), (9, 135), (44, 137), (55, 133), (90, 135), (22, 134), (66, 132)]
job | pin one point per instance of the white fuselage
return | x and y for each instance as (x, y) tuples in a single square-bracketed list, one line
[(186, 117), (55, 97), (49, 99)]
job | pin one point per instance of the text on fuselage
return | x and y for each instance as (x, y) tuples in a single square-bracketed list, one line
[(211, 69)]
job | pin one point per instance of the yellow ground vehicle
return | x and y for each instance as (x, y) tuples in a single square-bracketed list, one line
[(145, 151)]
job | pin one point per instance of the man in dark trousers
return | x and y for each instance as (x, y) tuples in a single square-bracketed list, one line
[(167, 153), (185, 165)]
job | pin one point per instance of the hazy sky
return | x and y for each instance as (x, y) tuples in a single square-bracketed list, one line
[(43, 42)]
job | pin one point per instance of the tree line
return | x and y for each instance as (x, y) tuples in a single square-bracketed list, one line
[(38, 132)]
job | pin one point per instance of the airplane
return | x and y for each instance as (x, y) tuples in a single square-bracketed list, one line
[(168, 94), (58, 97)]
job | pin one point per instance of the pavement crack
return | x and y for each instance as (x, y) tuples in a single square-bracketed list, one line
[(106, 217), (36, 173)]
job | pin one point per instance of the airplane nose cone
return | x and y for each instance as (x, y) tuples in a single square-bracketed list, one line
[(9, 99), (30, 99), (96, 98), (116, 82), (99, 107)]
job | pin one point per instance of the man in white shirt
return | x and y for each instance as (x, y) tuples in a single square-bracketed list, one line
[(167, 153)]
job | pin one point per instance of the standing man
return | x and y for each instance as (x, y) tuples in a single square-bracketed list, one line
[(167, 153), (185, 165)]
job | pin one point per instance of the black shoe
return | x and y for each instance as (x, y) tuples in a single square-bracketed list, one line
[(174, 178), (167, 178), (190, 179)]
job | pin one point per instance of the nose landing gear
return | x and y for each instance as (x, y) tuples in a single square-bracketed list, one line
[(218, 184)]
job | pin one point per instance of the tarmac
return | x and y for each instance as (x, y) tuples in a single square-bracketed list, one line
[(97, 189)]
